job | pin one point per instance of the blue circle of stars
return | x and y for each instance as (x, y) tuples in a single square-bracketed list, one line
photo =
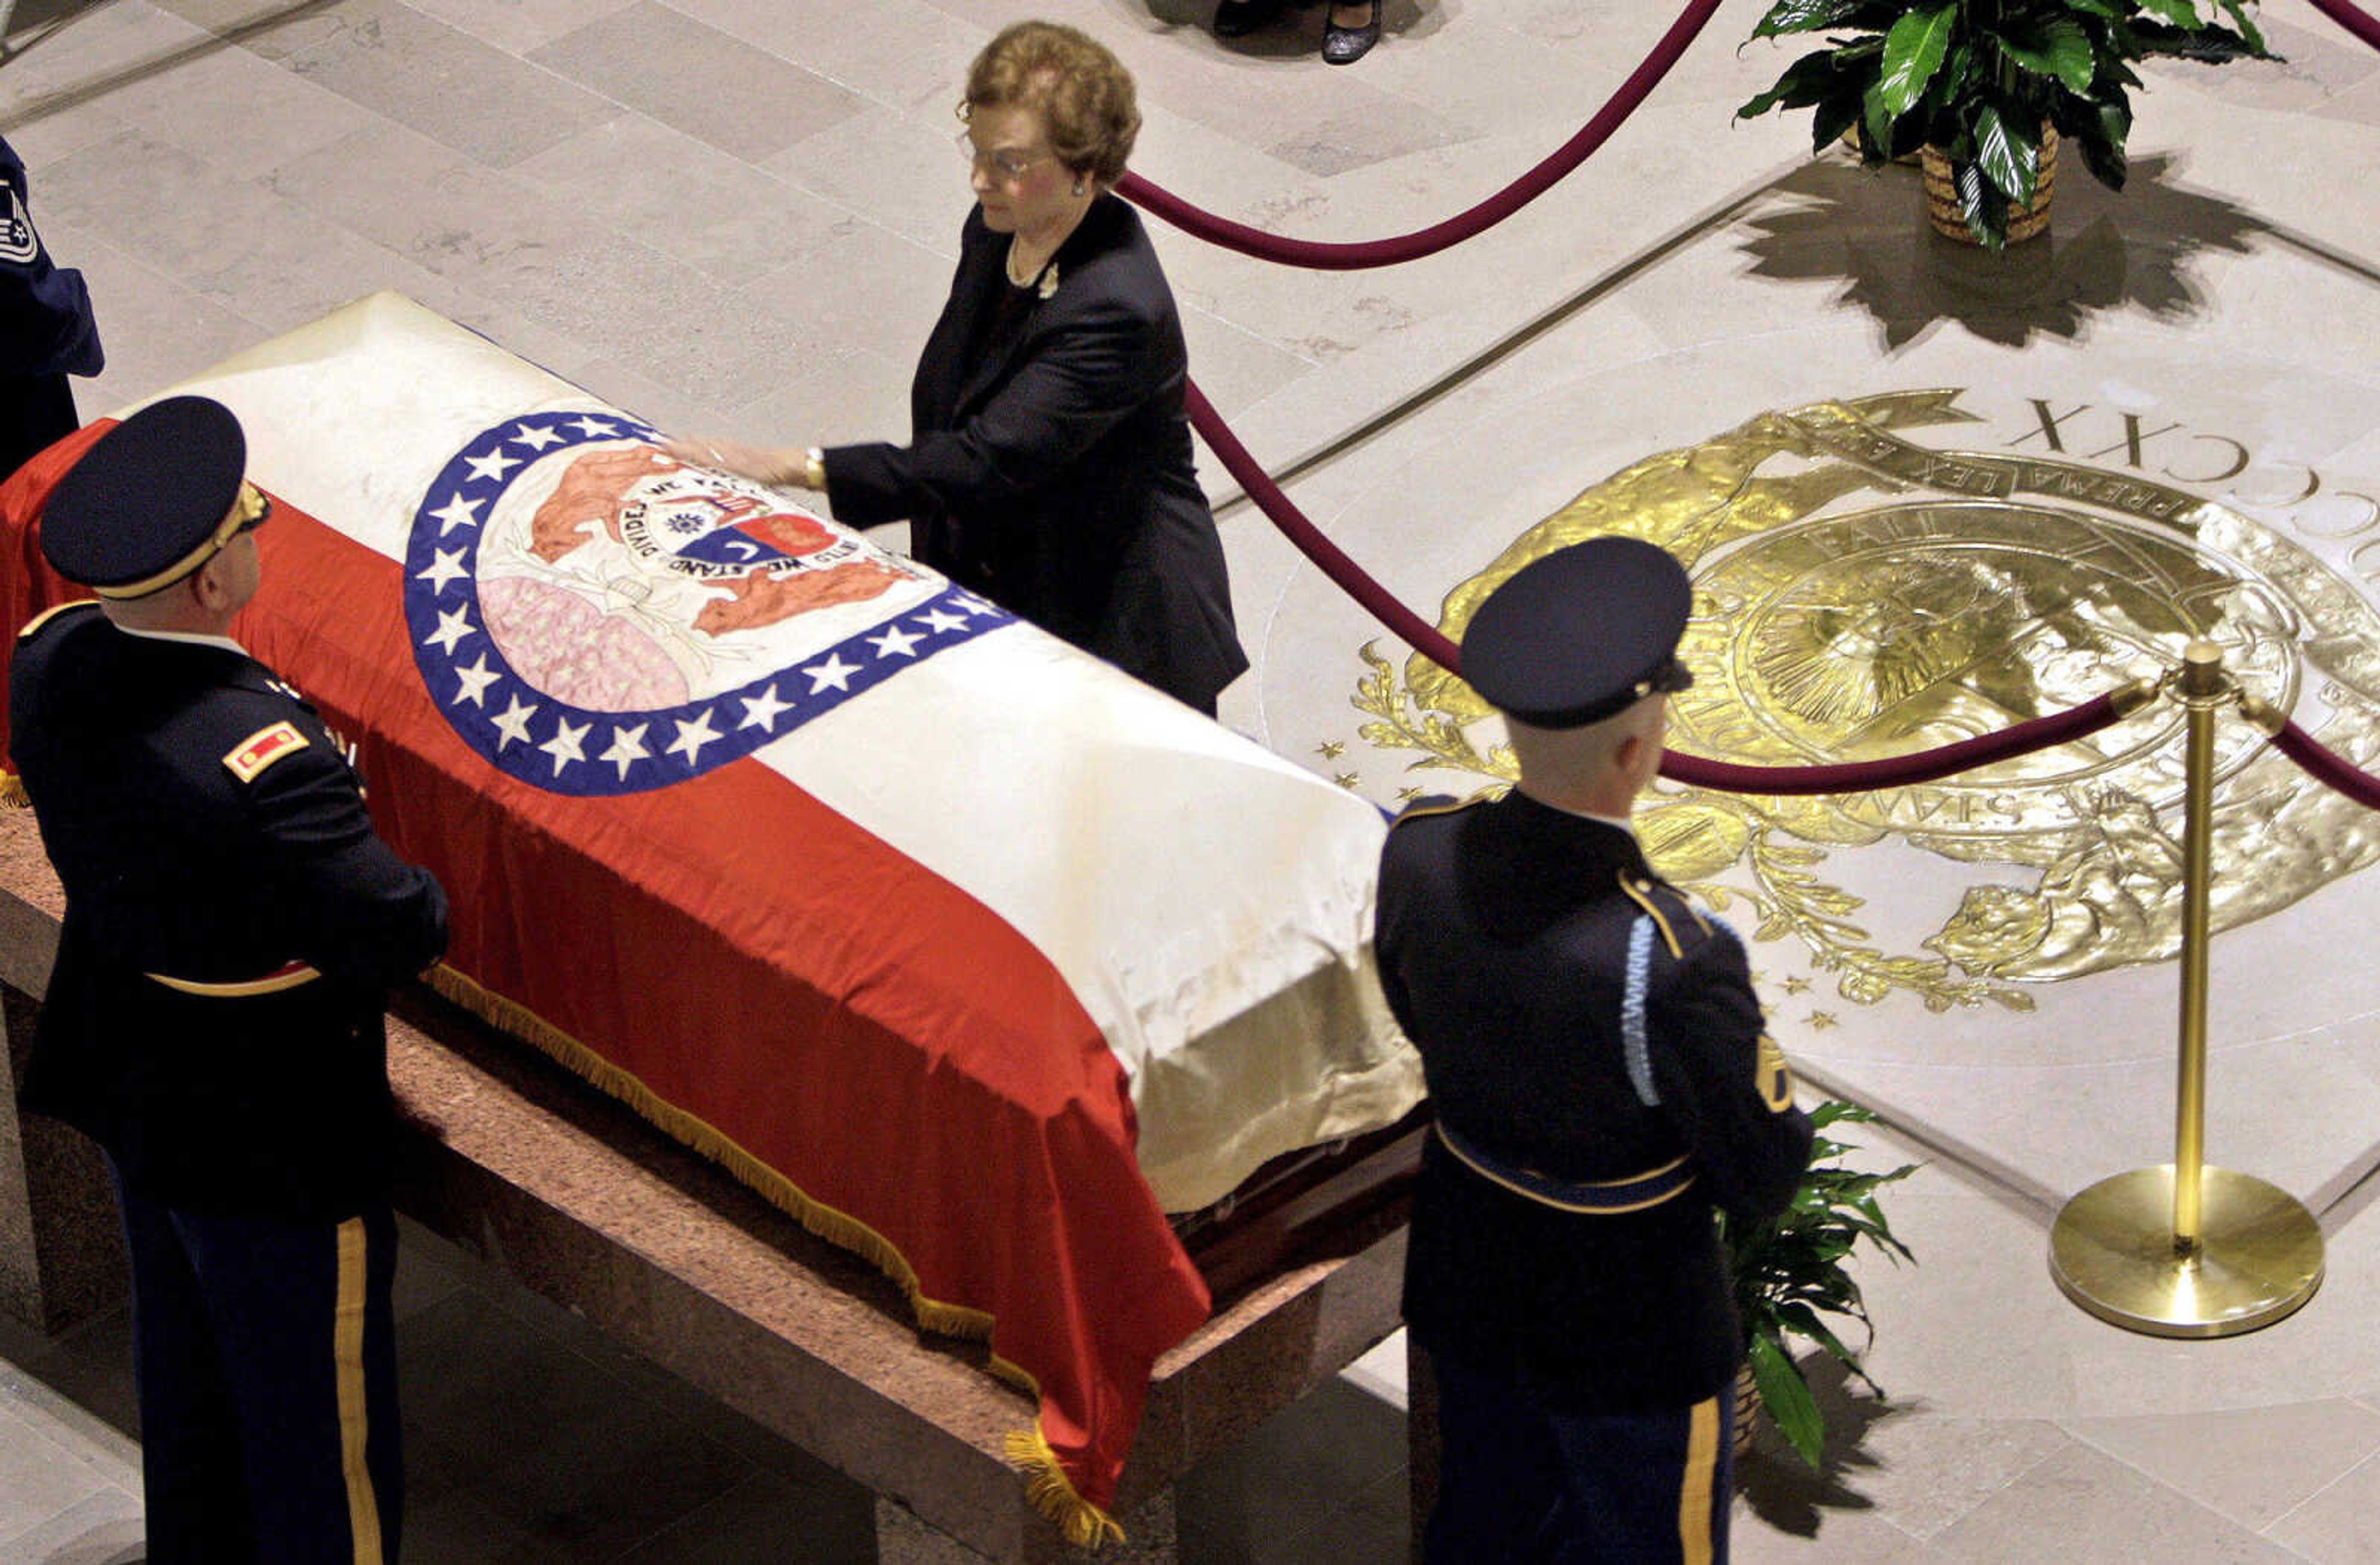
[(540, 739)]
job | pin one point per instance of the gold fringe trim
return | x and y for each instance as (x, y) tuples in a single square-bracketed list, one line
[(836, 1228), (1052, 1494), (12, 792)]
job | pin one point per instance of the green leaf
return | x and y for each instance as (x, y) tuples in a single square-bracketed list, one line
[(2247, 26), (1983, 204), (2100, 129), (2183, 13), (1913, 50), (1805, 16), (1807, 80), (2060, 49), (1828, 120), (1787, 1397)]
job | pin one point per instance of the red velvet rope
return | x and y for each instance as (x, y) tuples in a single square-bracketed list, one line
[(1898, 771), (2324, 765), (1349, 257), (2356, 22), (1351, 577), (1923, 766)]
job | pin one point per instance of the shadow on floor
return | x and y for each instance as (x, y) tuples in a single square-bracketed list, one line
[(2104, 253), (1781, 1489)]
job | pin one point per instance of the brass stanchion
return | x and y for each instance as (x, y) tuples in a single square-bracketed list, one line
[(2184, 1250)]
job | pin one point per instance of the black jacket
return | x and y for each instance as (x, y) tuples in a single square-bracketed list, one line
[(1056, 478), (45, 319), (1506, 935), (46, 329), (176, 866)]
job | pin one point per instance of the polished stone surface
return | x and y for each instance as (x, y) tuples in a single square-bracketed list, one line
[(739, 216)]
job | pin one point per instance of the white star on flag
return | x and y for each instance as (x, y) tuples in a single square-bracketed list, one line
[(895, 643), (458, 512), (834, 672), (762, 712), (967, 604), (490, 467), (627, 748), (595, 427), (453, 625), (937, 622), (513, 722), (564, 746), (446, 567), (475, 680), (537, 437), (692, 737)]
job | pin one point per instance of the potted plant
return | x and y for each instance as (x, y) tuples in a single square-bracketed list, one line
[(1989, 85), (1793, 1270)]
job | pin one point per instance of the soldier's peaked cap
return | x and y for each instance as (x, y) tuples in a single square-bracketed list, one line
[(1581, 635), (147, 503)]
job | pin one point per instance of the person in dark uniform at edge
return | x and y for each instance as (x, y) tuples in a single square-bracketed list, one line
[(215, 1018), (47, 325), (1602, 1081)]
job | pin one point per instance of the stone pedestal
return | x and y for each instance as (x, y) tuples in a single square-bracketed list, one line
[(61, 1246), (568, 1192)]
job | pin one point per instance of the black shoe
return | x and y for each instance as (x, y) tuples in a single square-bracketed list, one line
[(1237, 18), (1345, 45)]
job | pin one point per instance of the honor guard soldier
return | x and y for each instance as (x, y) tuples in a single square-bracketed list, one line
[(1602, 1082), (215, 1018), (45, 323)]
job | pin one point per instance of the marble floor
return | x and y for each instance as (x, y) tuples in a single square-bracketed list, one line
[(739, 216)]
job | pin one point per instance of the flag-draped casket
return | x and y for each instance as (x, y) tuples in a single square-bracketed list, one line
[(971, 950)]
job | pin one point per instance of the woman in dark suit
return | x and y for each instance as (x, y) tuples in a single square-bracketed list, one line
[(1049, 468)]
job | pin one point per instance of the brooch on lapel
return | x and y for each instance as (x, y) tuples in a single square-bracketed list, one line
[(1049, 280)]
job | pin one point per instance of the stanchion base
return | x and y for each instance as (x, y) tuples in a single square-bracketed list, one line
[(2259, 1256)]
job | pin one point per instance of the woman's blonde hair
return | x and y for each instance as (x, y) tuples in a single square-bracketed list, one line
[(1078, 87)]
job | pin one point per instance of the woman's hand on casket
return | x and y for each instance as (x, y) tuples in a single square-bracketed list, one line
[(758, 463)]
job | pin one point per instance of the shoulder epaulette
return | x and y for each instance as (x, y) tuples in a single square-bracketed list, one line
[(248, 758), (46, 615), (1432, 804), (1664, 903)]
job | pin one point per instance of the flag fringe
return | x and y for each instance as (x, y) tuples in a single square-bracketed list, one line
[(1053, 1493), (12, 791), (835, 1226)]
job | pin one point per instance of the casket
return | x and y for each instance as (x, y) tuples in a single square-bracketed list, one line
[(971, 952)]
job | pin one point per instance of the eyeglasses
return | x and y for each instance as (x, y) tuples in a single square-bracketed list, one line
[(254, 506), (1006, 163)]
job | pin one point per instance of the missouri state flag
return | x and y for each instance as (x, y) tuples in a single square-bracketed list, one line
[(970, 951)]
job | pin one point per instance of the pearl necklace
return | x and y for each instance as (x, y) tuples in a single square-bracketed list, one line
[(1026, 280)]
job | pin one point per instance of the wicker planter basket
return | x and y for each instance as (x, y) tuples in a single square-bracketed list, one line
[(2023, 223)]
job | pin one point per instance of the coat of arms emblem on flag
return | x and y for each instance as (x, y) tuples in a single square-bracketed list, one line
[(594, 617)]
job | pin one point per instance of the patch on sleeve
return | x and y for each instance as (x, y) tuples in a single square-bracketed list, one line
[(263, 747), (19, 243), (1775, 1076)]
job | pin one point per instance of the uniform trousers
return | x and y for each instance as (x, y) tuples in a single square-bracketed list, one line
[(267, 1368), (1522, 1486), (36, 412)]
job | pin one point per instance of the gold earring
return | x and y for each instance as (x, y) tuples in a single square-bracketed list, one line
[(1079, 186)]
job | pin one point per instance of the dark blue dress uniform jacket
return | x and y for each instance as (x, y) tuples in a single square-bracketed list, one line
[(45, 318), (274, 1104), (1504, 940), (46, 329), (1050, 467)]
